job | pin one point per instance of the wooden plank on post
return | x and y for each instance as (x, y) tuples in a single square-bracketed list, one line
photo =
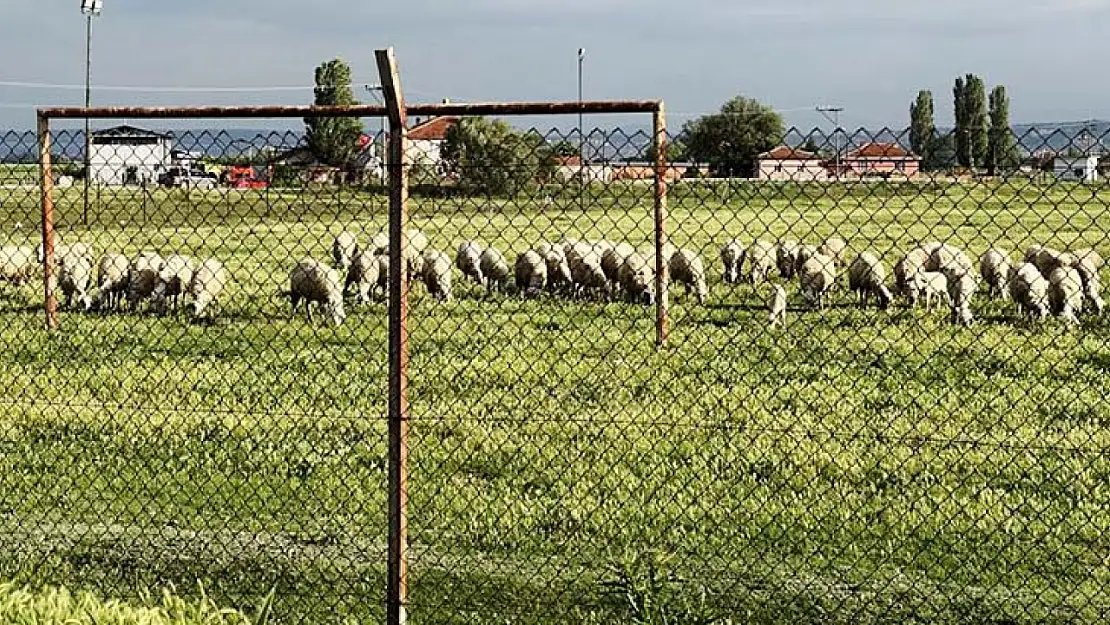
[(46, 172), (659, 122), (397, 583)]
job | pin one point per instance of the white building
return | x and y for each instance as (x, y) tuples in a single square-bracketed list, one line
[(1076, 168), (128, 155), (426, 140)]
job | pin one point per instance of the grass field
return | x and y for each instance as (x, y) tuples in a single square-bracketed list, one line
[(862, 466)]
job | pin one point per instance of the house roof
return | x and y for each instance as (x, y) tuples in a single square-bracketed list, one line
[(128, 131), (435, 129), (787, 153), (879, 150), (572, 160)]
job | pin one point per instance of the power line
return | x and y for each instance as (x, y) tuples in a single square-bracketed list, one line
[(154, 89)]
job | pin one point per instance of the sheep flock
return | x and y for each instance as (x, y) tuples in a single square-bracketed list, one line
[(1042, 282)]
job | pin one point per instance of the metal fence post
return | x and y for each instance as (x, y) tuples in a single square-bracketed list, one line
[(46, 171), (397, 583), (659, 142)]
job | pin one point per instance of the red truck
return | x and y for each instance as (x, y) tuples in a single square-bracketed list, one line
[(242, 177)]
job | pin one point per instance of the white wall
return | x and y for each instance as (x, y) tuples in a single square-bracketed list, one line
[(108, 162), (1078, 169)]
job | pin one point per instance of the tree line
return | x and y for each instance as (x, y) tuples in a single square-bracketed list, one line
[(981, 140)]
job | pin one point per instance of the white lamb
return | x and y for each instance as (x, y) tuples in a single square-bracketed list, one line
[(1029, 290), (929, 286), (994, 267), (311, 281), (209, 281), (687, 268), (468, 259), (1065, 293), (495, 269)]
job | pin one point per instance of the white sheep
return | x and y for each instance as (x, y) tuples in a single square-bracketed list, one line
[(732, 257), (16, 264), (1046, 259), (586, 271), (383, 273), (530, 273), (833, 247), (468, 258), (817, 277), (437, 274), (74, 277), (209, 281), (803, 253), (637, 279), (111, 278), (1029, 290), (960, 291), (777, 306), (912, 262), (687, 269), (1065, 293), (866, 277), (495, 269), (416, 245), (949, 260), (612, 257), (929, 286), (344, 248), (311, 281), (142, 277), (379, 243), (786, 258), (559, 276), (174, 277), (994, 267), (1089, 263), (364, 274), (761, 261)]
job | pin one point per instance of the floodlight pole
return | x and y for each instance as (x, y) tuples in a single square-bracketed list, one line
[(581, 139), (835, 119), (89, 8)]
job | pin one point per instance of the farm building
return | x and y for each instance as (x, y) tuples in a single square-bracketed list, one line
[(1076, 168), (128, 155), (426, 140), (880, 160), (569, 168), (787, 163)]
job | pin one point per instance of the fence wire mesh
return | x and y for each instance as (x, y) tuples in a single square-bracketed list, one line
[(882, 398)]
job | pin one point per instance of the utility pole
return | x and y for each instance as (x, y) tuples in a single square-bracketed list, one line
[(581, 138), (376, 91), (90, 9), (835, 119)]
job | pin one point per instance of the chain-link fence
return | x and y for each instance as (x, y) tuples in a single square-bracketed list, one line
[(861, 413)]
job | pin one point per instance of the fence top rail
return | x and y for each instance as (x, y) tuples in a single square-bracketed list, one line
[(361, 110)]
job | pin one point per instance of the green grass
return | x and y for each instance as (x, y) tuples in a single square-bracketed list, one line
[(859, 467), (57, 606)]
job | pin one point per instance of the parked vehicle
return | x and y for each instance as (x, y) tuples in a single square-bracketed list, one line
[(187, 178), (242, 177)]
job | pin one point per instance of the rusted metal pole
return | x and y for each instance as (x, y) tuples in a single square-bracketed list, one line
[(396, 602), (659, 123), (46, 172)]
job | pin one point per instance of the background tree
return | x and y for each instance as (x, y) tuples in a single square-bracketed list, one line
[(676, 152), (731, 140), (333, 140), (1003, 153), (977, 121), (962, 135), (942, 153), (922, 127), (491, 157)]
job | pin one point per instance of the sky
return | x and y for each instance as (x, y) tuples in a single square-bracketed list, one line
[(868, 56)]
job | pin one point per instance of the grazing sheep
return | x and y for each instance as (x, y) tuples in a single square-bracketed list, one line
[(637, 279), (111, 281), (833, 247), (960, 291), (866, 276), (531, 273), (1047, 259), (1089, 263), (1065, 293), (414, 253), (142, 277), (207, 284), (949, 260), (804, 253), (732, 257), (74, 277), (1029, 290), (379, 243), (313, 281), (16, 264), (586, 271), (437, 274), (687, 268), (930, 286), (911, 263), (383, 273), (543, 248), (777, 306), (994, 267), (559, 276), (612, 257), (761, 260), (174, 277), (62, 250), (786, 258), (468, 259), (495, 269), (817, 277), (344, 248), (364, 274)]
